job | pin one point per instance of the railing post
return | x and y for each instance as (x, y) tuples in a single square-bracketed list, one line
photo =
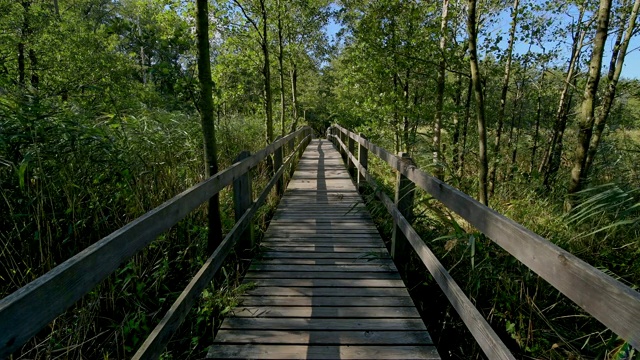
[(277, 159), (405, 193), (342, 151), (352, 150), (302, 138), (242, 200), (363, 159)]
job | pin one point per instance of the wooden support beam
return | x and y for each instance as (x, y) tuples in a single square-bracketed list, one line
[(277, 159), (363, 159), (405, 193), (352, 150), (242, 200)]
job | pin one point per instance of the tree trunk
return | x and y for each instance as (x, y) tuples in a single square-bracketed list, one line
[(33, 62), (21, 71), (405, 118), (455, 138), (266, 74), (438, 170), (586, 117), (615, 69), (294, 96), (465, 127), (534, 148), (281, 70), (477, 89), (503, 97), (206, 117), (552, 158)]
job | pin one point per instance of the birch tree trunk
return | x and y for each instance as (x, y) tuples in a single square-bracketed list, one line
[(586, 117)]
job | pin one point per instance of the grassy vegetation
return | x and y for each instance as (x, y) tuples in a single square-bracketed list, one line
[(70, 178)]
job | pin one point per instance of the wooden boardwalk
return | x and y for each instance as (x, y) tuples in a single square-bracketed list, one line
[(325, 286)]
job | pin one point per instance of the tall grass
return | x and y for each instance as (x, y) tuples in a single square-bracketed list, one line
[(68, 177)]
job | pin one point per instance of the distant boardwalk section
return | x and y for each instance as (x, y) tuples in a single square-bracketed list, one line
[(325, 286)]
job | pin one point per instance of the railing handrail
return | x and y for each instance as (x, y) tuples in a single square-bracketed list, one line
[(611, 302), (30, 308)]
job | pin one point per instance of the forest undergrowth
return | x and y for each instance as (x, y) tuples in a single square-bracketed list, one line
[(72, 179)]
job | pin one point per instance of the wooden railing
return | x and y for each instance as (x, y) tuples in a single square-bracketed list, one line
[(614, 304), (29, 309)]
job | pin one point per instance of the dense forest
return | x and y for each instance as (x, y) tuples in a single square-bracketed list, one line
[(106, 112)]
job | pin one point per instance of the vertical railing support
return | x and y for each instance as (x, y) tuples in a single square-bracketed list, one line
[(405, 193), (277, 159), (352, 150), (242, 200), (363, 159), (343, 152)]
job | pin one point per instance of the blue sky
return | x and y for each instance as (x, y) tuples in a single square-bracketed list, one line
[(631, 68)]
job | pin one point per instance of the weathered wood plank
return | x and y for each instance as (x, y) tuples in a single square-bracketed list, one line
[(327, 312), (255, 351), (367, 283), (325, 291), (322, 324), (355, 248), (354, 301), (320, 275), (321, 268), (356, 261), (320, 337), (315, 255)]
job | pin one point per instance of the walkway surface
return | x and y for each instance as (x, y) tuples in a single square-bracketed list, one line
[(325, 286)]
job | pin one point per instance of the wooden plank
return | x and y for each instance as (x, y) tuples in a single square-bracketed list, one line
[(262, 351), (356, 261), (314, 255), (355, 248), (322, 229), (320, 337), (362, 246), (321, 312), (321, 268), (325, 291), (367, 283), (321, 275), (354, 301), (613, 303), (322, 324)]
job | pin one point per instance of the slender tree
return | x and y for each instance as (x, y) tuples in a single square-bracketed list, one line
[(283, 107), (479, 96), (586, 116), (262, 30), (615, 69), (437, 157), (503, 97), (551, 159), (207, 119)]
